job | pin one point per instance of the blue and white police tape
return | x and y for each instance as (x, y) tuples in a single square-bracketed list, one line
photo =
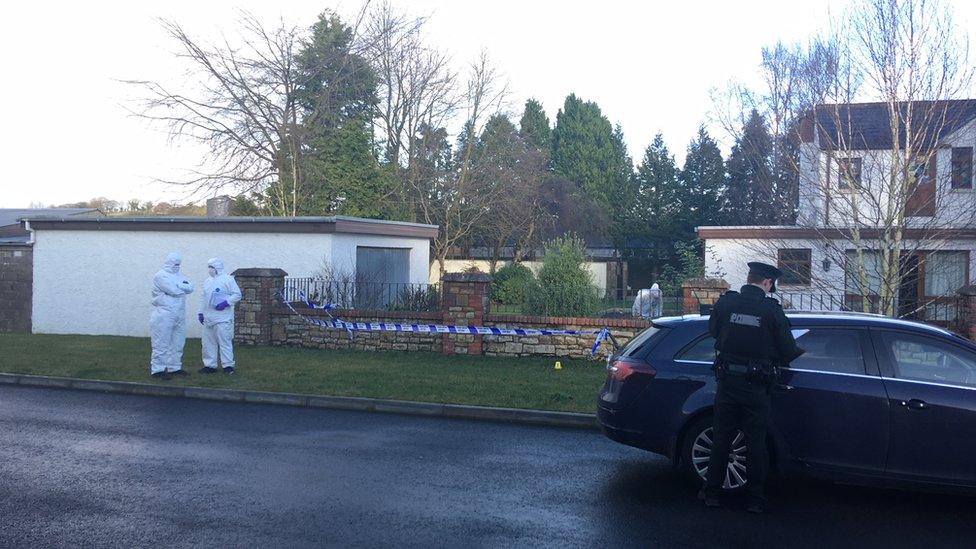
[(350, 327)]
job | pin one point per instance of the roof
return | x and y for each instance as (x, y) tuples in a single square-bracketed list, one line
[(829, 318), (12, 216), (866, 126), (787, 232), (332, 224)]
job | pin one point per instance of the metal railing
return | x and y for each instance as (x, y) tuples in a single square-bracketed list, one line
[(372, 296), (600, 304)]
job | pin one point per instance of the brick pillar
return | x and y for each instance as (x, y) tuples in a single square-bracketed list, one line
[(464, 303), (967, 312), (252, 316), (699, 294), (16, 287)]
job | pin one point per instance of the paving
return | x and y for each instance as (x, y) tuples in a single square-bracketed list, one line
[(87, 469)]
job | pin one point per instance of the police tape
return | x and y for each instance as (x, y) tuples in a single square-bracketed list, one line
[(351, 327)]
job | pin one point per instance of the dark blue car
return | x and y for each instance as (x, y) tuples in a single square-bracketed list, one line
[(874, 400)]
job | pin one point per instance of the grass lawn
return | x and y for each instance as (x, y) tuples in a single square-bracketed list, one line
[(425, 377)]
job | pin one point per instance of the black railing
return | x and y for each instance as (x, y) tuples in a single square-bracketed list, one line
[(373, 296)]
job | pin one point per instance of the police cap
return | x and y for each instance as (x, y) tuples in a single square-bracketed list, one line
[(765, 270)]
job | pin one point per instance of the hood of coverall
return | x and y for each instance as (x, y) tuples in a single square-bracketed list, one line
[(172, 263), (217, 265)]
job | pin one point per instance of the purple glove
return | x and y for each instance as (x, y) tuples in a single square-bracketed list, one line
[(221, 306), (200, 317)]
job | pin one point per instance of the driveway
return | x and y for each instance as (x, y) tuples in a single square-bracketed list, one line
[(82, 468)]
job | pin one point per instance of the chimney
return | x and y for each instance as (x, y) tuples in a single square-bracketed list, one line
[(219, 206)]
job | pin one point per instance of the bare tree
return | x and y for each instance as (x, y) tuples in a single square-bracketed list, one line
[(242, 101), (460, 201)]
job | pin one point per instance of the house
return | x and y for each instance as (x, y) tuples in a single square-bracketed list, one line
[(863, 189), (94, 275)]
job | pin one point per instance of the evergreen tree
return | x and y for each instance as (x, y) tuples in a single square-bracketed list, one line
[(657, 205), (534, 125), (751, 191), (702, 180), (337, 96), (588, 151)]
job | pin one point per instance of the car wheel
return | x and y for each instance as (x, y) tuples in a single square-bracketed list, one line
[(696, 453)]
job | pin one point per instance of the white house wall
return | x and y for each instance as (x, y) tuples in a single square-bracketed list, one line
[(100, 282), (954, 207)]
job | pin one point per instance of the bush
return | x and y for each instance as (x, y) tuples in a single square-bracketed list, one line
[(509, 284), (563, 287)]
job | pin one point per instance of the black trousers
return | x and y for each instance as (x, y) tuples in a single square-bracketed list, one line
[(743, 405)]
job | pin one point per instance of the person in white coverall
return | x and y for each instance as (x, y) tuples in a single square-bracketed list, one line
[(220, 294), (167, 323), (648, 303)]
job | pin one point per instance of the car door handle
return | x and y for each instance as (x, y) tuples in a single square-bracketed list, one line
[(784, 387), (914, 404)]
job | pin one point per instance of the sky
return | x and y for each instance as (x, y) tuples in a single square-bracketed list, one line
[(651, 66)]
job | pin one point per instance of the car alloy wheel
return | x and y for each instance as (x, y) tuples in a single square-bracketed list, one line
[(735, 471)]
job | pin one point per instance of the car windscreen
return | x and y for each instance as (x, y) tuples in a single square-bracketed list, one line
[(644, 341)]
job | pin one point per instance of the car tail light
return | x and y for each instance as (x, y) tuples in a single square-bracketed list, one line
[(622, 370)]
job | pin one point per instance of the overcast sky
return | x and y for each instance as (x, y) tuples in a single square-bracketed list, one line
[(649, 65)]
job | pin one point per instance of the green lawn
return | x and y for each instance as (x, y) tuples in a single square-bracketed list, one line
[(426, 377)]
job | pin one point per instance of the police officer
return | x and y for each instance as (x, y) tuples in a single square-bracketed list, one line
[(752, 337)]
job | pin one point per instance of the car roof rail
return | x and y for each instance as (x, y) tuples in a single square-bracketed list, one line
[(823, 312)]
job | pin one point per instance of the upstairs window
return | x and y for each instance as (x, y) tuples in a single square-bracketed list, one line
[(795, 264), (848, 173), (962, 168)]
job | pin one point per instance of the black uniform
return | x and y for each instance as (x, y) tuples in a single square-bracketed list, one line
[(752, 337)]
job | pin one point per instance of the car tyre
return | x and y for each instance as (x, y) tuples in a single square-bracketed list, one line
[(693, 456)]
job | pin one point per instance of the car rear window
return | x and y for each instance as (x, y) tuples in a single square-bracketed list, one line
[(702, 350), (644, 341)]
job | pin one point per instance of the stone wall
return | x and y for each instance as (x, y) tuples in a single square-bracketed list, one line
[(262, 320), (288, 328), (622, 329), (16, 287)]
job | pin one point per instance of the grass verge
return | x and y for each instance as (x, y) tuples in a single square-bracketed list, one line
[(530, 383)]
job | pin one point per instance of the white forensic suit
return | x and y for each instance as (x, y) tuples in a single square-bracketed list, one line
[(167, 323), (220, 294), (648, 303)]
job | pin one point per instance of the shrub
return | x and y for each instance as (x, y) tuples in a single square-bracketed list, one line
[(509, 283), (563, 287)]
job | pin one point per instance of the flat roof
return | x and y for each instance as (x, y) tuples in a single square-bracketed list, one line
[(306, 224)]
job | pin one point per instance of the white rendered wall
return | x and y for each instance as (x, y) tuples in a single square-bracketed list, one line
[(100, 282)]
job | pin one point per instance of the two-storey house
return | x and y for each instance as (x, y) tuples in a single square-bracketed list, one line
[(872, 177)]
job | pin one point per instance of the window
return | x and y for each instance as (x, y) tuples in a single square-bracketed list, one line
[(702, 350), (848, 173), (830, 350), (945, 272), (923, 358), (962, 168), (795, 265), (642, 341)]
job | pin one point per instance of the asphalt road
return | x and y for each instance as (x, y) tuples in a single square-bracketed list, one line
[(87, 469)]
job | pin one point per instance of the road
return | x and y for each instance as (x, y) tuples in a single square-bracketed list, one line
[(89, 469)]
